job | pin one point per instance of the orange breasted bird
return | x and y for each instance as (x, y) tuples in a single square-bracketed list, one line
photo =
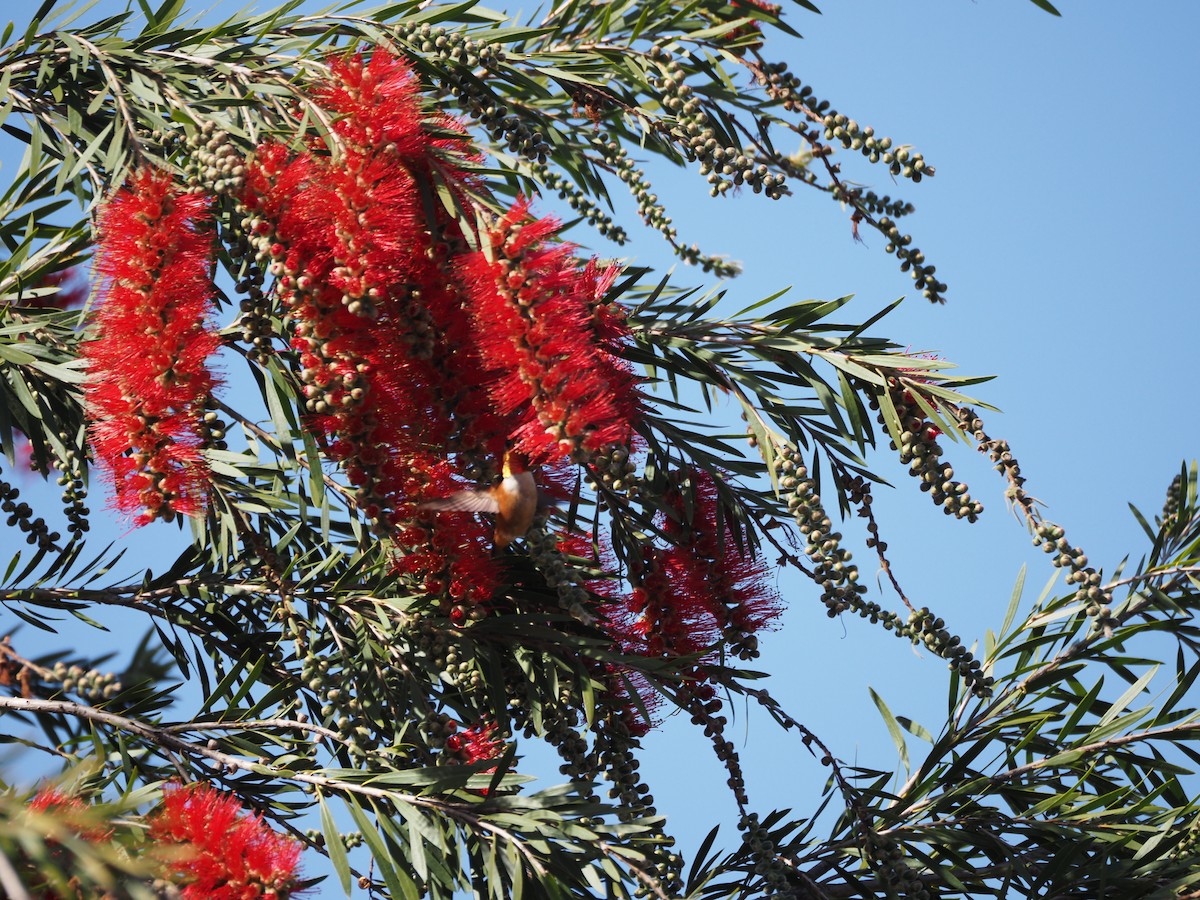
[(514, 501)]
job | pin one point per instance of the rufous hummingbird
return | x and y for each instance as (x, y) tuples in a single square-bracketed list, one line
[(514, 501)]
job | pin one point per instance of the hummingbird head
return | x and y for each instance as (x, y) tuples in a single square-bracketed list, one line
[(514, 463)]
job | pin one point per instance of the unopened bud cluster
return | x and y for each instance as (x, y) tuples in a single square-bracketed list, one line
[(90, 683), (215, 164), (920, 450)]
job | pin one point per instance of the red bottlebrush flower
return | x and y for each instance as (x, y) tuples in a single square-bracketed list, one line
[(389, 371), (549, 346), (217, 852), (476, 744), (148, 375), (73, 811), (697, 591)]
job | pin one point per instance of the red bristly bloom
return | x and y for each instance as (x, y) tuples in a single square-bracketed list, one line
[(550, 352), (700, 590), (72, 810), (217, 852), (478, 743), (388, 367), (148, 364)]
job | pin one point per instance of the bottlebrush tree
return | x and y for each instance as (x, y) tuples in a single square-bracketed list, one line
[(447, 486)]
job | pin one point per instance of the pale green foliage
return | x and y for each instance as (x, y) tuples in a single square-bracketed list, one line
[(327, 678)]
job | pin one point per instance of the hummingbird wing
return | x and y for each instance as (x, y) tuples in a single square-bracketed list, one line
[(463, 501)]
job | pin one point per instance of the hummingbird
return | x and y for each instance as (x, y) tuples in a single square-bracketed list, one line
[(514, 501)]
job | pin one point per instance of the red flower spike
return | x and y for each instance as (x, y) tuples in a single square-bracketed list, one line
[(549, 347), (148, 364), (391, 376), (73, 811), (476, 744), (690, 596), (219, 853)]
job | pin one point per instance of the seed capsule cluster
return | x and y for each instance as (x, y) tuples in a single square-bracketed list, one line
[(725, 166), (767, 862), (89, 683), (212, 429), (1170, 510), (257, 311), (886, 859), (1097, 601), (1002, 459), (784, 86), (448, 45), (74, 489), (349, 839), (884, 206), (613, 753), (615, 468), (504, 127), (926, 628), (901, 161), (473, 96), (560, 726), (912, 261), (20, 515), (920, 450), (564, 578), (345, 706), (834, 572), (652, 212), (587, 208)]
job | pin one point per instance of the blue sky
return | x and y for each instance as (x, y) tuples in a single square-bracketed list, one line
[(1060, 217)]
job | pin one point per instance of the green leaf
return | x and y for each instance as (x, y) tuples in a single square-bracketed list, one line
[(1047, 6), (334, 847), (893, 727)]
